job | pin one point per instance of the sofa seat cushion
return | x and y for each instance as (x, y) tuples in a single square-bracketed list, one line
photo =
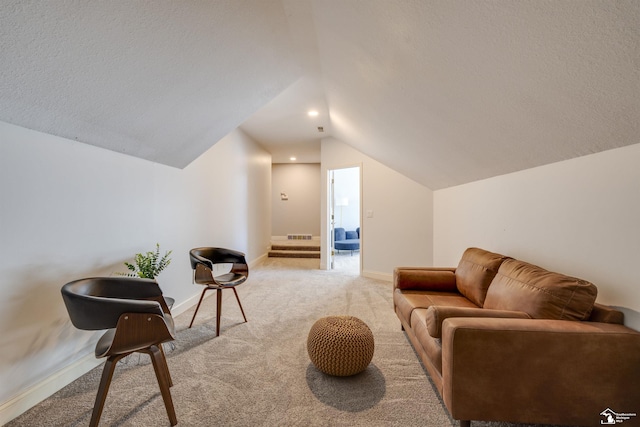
[(474, 274), (542, 294), (431, 346), (347, 245), (407, 301)]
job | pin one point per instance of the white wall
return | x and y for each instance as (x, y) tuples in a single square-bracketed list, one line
[(580, 217), (300, 214), (400, 232), (70, 210)]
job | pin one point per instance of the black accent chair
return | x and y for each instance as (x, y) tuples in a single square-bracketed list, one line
[(202, 262), (138, 320)]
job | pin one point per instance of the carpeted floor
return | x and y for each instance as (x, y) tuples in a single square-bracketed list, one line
[(258, 373)]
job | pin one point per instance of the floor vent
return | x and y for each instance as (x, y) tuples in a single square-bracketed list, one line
[(298, 236)]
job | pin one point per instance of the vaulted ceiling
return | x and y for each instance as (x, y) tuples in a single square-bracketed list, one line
[(444, 91)]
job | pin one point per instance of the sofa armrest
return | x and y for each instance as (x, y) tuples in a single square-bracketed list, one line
[(606, 314), (539, 371), (425, 279), (436, 314)]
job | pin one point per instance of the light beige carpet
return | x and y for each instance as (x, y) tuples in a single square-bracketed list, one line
[(258, 373)]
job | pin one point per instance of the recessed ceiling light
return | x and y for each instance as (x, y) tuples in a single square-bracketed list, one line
[(313, 113), (293, 159)]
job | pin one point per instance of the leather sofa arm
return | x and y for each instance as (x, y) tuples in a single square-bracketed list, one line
[(425, 279), (549, 371), (436, 314)]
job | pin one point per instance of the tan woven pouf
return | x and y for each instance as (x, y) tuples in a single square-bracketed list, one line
[(340, 345)]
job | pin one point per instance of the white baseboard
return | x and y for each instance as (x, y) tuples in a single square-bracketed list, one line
[(378, 276), (258, 260), (37, 393)]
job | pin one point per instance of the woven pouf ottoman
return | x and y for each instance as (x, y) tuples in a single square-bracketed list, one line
[(340, 345)]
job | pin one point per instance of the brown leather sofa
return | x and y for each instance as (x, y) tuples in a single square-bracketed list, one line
[(504, 340)]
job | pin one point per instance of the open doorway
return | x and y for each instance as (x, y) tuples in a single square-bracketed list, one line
[(344, 200)]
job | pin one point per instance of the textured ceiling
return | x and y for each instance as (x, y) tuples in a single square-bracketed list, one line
[(161, 80), (445, 92), (450, 92)]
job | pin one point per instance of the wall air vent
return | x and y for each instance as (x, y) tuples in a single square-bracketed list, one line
[(298, 236), (320, 129)]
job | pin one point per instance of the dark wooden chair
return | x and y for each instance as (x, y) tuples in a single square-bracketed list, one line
[(203, 261), (137, 319)]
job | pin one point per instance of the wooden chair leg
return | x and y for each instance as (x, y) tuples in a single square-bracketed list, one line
[(164, 358), (197, 307), (218, 307), (218, 311), (241, 309), (161, 369), (103, 389)]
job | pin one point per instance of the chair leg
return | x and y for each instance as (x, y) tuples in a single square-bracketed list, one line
[(198, 307), (218, 311), (241, 309), (103, 389), (162, 370), (218, 307), (164, 357)]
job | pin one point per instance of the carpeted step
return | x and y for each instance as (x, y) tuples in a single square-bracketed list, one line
[(294, 254)]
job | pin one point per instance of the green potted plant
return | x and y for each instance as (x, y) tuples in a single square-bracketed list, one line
[(148, 265)]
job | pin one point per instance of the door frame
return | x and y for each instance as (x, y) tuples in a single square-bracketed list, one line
[(327, 253)]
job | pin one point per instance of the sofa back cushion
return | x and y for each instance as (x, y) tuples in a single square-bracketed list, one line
[(351, 235), (540, 293), (474, 274)]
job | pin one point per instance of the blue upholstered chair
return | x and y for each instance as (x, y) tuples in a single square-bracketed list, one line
[(346, 240)]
